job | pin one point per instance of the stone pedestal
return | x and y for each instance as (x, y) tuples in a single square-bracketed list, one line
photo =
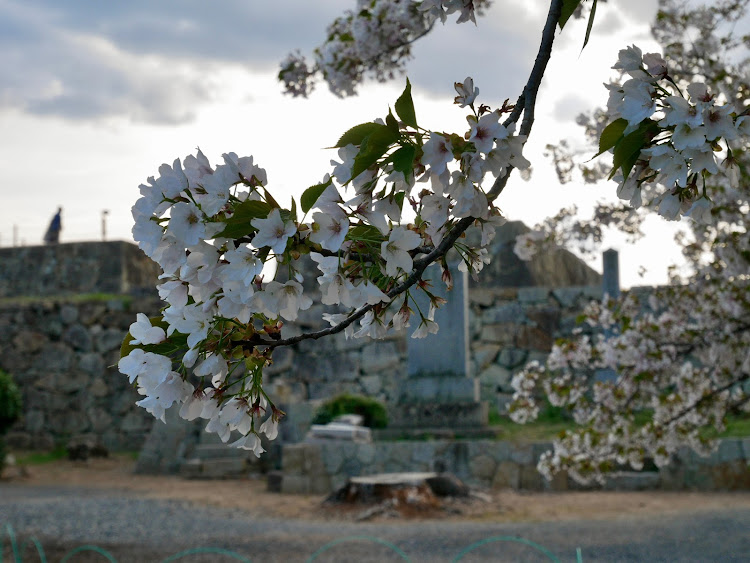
[(438, 391)]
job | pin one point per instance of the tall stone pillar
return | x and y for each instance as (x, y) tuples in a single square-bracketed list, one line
[(439, 391)]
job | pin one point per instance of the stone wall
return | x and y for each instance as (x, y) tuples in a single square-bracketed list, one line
[(324, 467), (512, 320), (508, 327), (62, 348), (512, 326), (320, 369), (63, 354), (82, 267)]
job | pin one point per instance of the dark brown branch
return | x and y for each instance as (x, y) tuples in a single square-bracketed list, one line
[(358, 257), (526, 104), (540, 65), (705, 398)]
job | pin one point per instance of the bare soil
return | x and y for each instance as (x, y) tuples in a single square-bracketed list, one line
[(116, 474)]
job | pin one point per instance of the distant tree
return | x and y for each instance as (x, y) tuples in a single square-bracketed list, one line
[(682, 357)]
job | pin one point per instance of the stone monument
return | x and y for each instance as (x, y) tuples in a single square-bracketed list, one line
[(439, 396)]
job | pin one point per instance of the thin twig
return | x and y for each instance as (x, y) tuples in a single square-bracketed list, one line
[(525, 104), (705, 398)]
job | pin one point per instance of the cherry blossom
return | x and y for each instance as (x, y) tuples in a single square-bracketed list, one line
[(414, 194), (144, 333), (395, 250), (273, 231)]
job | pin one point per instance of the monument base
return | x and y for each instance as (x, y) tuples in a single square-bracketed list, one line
[(439, 389), (410, 433)]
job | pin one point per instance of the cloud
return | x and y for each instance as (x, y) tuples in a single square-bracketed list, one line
[(497, 53), (242, 31), (158, 62), (47, 70), (149, 61), (570, 105)]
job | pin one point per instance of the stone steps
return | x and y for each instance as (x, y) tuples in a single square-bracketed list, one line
[(215, 468), (633, 481)]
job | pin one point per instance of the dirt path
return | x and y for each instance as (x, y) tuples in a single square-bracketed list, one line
[(116, 474)]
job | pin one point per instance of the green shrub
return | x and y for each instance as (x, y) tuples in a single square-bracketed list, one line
[(372, 411), (10, 402), (10, 409)]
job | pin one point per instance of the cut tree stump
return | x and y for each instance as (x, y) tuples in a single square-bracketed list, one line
[(423, 489)]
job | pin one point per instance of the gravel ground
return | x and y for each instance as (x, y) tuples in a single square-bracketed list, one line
[(140, 529)]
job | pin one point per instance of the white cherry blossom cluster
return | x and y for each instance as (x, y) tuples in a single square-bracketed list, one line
[(374, 39), (213, 229), (673, 368), (660, 135)]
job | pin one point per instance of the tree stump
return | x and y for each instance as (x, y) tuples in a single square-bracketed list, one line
[(400, 488)]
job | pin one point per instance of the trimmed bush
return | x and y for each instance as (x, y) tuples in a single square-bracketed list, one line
[(372, 411)]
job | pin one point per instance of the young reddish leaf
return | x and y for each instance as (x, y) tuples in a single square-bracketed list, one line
[(270, 199)]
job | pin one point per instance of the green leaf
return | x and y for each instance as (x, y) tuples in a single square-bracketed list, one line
[(590, 25), (629, 148), (285, 215), (405, 107), (399, 199), (176, 341), (270, 199), (373, 147), (568, 7), (126, 347), (311, 195), (391, 122), (611, 135), (366, 233), (263, 253), (356, 134), (238, 225), (403, 159)]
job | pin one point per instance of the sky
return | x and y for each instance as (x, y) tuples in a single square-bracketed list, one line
[(94, 96)]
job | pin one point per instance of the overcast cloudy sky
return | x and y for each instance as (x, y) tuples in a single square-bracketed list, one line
[(94, 96)]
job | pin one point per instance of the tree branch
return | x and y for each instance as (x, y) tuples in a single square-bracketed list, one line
[(705, 398), (525, 104)]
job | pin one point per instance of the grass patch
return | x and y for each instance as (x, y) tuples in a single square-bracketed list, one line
[(737, 427), (550, 422), (41, 458), (537, 431), (60, 453)]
